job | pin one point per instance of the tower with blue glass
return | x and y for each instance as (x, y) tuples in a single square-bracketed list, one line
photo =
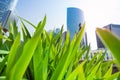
[(6, 7), (75, 20)]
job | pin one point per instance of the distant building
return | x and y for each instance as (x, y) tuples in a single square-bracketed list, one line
[(75, 20), (114, 28), (6, 8), (99, 42)]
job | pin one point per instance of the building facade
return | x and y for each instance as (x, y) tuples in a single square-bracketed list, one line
[(6, 8), (114, 28), (75, 20)]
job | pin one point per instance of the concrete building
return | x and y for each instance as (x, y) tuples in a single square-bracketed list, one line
[(75, 20)]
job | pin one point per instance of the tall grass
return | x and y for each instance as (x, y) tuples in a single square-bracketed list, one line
[(44, 56)]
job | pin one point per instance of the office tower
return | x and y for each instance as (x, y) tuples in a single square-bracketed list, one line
[(114, 28), (75, 19), (6, 8)]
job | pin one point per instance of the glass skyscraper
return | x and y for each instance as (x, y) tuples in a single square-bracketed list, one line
[(6, 6), (75, 20)]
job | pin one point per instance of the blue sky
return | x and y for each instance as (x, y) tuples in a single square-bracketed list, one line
[(98, 13)]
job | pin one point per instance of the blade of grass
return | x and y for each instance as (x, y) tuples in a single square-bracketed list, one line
[(109, 72), (3, 37), (110, 41), (4, 52), (25, 32), (25, 29), (105, 67), (2, 64), (28, 22), (15, 30), (78, 71), (66, 59), (92, 75), (37, 61), (25, 57), (114, 76), (90, 65), (12, 54)]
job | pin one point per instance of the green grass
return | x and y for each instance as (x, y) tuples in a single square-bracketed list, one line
[(44, 56)]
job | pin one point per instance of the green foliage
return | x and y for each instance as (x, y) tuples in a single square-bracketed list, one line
[(111, 42), (45, 56)]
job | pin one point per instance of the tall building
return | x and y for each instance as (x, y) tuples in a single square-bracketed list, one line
[(6, 8), (99, 43), (114, 28), (75, 19)]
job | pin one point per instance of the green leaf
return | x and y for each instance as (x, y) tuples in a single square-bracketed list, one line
[(114, 76), (41, 25), (2, 64), (99, 73), (68, 56), (105, 67), (25, 32), (4, 52), (10, 27), (3, 37), (15, 30), (2, 77), (25, 57), (12, 54), (87, 53), (90, 65), (39, 63), (110, 41), (79, 71), (28, 22), (92, 75), (109, 72)]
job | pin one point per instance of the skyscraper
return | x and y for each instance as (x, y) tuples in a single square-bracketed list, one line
[(6, 7), (75, 20)]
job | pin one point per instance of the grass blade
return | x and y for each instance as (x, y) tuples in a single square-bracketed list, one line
[(79, 71), (67, 57), (110, 41), (25, 57), (3, 52), (2, 64), (28, 22), (109, 72), (12, 54)]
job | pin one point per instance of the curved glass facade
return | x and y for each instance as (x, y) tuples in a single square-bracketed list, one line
[(5, 9), (75, 19)]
